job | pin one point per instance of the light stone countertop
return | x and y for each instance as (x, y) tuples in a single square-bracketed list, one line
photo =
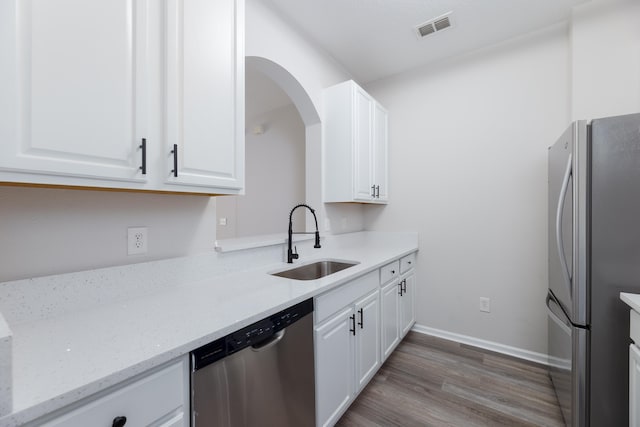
[(77, 334), (632, 300)]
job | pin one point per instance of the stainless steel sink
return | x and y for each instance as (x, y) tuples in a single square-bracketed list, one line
[(315, 270)]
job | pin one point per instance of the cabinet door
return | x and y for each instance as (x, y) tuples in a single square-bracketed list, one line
[(363, 155), (159, 399), (380, 153), (73, 89), (205, 94), (406, 302), (367, 339), (334, 367), (390, 333), (634, 386)]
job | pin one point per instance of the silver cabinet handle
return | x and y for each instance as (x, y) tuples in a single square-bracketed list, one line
[(373, 191), (559, 213), (377, 191)]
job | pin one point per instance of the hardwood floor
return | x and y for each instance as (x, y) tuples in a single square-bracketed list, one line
[(430, 381)]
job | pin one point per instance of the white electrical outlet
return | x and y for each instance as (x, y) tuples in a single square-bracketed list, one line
[(485, 304), (137, 240), (222, 221)]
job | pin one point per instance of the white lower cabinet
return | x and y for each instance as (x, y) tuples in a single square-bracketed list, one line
[(397, 302), (634, 363), (367, 339), (334, 367), (357, 326), (406, 303), (159, 399), (347, 345), (634, 386), (390, 334)]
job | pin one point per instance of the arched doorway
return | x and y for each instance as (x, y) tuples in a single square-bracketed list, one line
[(269, 196)]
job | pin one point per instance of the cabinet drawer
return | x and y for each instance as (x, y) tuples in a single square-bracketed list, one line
[(407, 263), (634, 327), (158, 399), (389, 271), (334, 300)]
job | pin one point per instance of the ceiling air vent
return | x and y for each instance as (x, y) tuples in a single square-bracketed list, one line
[(437, 24), (442, 23), (426, 29)]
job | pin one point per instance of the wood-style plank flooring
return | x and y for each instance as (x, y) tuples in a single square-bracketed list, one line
[(428, 381)]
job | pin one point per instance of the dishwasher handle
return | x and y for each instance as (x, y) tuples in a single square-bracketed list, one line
[(275, 339)]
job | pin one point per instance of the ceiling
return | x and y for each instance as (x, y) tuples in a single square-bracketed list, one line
[(374, 39)]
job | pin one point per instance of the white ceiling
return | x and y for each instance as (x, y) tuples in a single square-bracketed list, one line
[(374, 39)]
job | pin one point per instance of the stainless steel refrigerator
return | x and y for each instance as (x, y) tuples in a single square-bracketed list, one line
[(594, 254)]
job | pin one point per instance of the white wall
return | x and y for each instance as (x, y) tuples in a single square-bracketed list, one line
[(468, 164), (49, 231), (468, 167), (605, 42), (271, 37), (275, 183)]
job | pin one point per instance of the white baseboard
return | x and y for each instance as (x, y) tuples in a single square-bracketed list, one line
[(487, 345)]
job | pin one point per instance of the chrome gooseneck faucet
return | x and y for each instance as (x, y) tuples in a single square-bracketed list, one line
[(294, 255)]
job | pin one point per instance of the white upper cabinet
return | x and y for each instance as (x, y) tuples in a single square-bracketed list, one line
[(355, 146), (380, 153), (73, 89), (96, 93), (362, 148), (205, 93)]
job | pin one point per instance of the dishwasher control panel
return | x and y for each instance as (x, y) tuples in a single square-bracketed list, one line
[(249, 335)]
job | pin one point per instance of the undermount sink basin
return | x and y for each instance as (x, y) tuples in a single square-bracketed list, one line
[(315, 270)]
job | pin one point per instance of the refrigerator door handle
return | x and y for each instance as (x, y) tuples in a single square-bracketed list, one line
[(566, 327), (559, 213)]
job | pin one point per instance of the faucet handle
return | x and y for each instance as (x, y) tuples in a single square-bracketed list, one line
[(295, 255)]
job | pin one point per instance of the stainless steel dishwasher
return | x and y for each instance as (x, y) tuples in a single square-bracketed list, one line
[(261, 375)]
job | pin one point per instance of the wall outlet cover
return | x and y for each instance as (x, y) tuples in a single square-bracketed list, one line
[(485, 304), (137, 240)]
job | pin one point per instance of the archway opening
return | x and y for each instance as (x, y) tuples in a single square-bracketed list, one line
[(282, 156)]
